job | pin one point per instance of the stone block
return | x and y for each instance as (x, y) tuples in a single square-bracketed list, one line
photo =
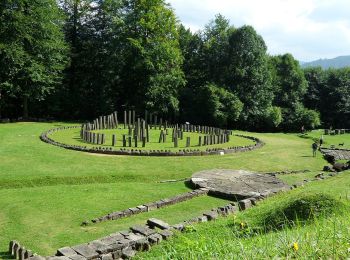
[(128, 253), (150, 206), (155, 238), (100, 247), (143, 230), (111, 239), (58, 258), (153, 222), (86, 251), (65, 251), (77, 257), (244, 204), (212, 215), (166, 234), (107, 257), (203, 218), (37, 257), (179, 227)]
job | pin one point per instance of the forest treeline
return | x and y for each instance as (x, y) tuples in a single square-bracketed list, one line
[(76, 59)]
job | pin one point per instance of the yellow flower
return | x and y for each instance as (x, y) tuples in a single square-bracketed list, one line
[(242, 224), (295, 246)]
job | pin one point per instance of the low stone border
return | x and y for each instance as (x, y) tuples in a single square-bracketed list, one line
[(148, 206), (135, 152)]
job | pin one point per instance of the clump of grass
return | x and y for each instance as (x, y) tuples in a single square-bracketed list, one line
[(301, 210)]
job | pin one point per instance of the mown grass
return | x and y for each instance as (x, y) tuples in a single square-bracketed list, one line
[(330, 140), (46, 191)]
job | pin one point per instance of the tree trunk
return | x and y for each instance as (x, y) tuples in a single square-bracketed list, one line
[(25, 107)]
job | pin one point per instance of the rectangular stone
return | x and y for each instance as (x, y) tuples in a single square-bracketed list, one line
[(113, 238), (100, 247), (153, 222), (244, 204), (77, 257), (66, 251), (166, 234), (144, 230), (86, 251)]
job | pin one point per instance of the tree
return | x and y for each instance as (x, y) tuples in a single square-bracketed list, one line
[(152, 77), (93, 30), (250, 76), (32, 49)]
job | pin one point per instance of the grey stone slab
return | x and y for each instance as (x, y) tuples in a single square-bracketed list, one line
[(66, 251), (245, 204), (86, 251), (111, 239), (235, 184), (128, 253), (166, 234), (106, 257), (153, 222), (77, 257), (100, 247), (37, 257), (155, 238), (144, 230), (211, 215), (58, 258)]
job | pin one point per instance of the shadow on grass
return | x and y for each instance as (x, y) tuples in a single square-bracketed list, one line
[(6, 255)]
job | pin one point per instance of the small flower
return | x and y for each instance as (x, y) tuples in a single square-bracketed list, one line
[(295, 246), (242, 225)]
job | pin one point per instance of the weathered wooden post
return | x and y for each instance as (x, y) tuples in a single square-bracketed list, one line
[(200, 140), (103, 139), (129, 140), (144, 141)]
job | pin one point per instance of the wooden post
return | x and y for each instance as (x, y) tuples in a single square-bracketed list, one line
[(129, 141), (144, 141), (200, 140)]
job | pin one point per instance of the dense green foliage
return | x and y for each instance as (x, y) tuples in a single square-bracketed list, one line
[(134, 54), (32, 49)]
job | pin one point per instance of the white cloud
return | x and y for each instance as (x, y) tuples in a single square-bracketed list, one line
[(309, 29)]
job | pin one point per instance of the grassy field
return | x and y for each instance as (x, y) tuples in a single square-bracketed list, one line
[(47, 191), (72, 136), (331, 140)]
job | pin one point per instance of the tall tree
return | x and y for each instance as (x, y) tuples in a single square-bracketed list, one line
[(32, 49), (152, 76), (250, 76)]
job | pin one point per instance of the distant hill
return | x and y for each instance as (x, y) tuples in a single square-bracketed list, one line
[(338, 62)]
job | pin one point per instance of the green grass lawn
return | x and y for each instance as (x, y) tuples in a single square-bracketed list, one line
[(72, 136), (47, 191), (329, 140)]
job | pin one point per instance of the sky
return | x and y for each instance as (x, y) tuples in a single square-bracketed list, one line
[(308, 29)]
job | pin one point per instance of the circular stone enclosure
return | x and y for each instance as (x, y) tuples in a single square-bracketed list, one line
[(69, 137)]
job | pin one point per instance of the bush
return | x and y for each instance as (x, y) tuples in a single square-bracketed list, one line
[(302, 210)]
